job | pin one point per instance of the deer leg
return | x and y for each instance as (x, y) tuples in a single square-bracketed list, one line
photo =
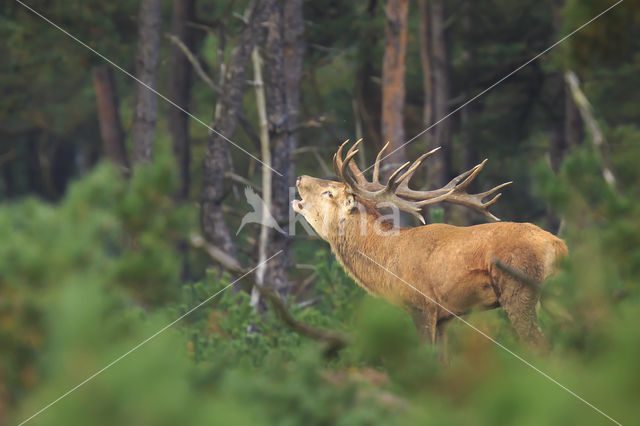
[(441, 343), (425, 320), (519, 302)]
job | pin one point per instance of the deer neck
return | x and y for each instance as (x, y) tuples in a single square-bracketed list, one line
[(365, 233)]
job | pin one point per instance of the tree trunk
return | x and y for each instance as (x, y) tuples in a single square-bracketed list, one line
[(108, 117), (265, 150), (367, 93), (283, 71), (393, 88), (565, 117), (180, 81), (425, 61), (144, 116), (440, 166), (227, 109)]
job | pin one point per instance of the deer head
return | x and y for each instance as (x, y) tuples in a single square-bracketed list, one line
[(324, 203)]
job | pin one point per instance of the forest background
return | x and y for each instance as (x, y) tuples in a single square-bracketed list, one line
[(122, 185)]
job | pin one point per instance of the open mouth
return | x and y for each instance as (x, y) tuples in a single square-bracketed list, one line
[(298, 205)]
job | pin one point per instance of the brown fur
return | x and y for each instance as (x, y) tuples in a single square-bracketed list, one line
[(453, 266)]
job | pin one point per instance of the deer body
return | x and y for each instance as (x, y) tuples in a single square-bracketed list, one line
[(433, 271), (454, 266)]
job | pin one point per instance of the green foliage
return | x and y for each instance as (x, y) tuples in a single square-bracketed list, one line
[(70, 308), (87, 279), (107, 232)]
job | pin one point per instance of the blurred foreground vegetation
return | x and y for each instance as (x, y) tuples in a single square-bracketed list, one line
[(88, 279), (92, 263)]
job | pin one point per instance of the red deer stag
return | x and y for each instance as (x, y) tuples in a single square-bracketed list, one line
[(431, 271)]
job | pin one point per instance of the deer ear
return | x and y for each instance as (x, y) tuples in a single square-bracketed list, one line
[(350, 203)]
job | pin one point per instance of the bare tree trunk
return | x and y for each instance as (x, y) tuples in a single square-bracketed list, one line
[(108, 116), (563, 118), (440, 166), (367, 93), (393, 87), (265, 149), (227, 110), (283, 71), (180, 81), (425, 60), (144, 116)]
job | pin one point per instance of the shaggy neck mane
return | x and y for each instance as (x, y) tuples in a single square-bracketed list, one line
[(360, 232)]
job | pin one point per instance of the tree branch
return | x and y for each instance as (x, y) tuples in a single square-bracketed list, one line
[(586, 112), (194, 62), (334, 341), (242, 180)]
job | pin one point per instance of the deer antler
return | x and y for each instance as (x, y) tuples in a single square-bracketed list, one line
[(397, 191)]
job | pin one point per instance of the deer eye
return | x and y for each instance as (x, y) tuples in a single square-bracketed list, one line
[(328, 193)]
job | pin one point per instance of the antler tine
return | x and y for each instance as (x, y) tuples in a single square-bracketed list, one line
[(394, 182), (474, 172), (493, 200), (376, 165), (397, 191), (337, 160), (493, 191), (357, 174), (346, 177), (465, 177), (406, 177)]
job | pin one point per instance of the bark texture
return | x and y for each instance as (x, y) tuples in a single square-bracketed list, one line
[(227, 111), (180, 82), (393, 87), (425, 61), (108, 116), (283, 52), (567, 129), (367, 93), (146, 105), (440, 165)]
